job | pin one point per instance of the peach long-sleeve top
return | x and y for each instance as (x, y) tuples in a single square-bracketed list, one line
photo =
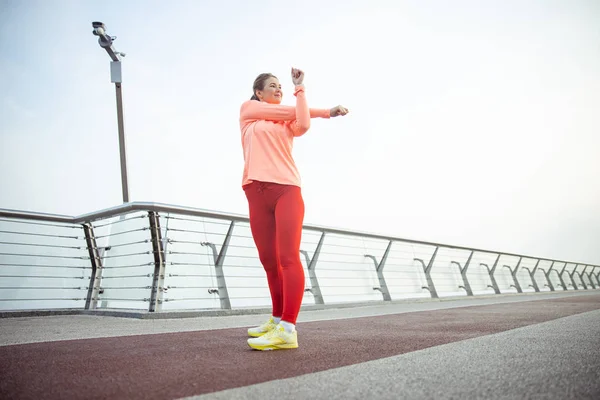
[(268, 132)]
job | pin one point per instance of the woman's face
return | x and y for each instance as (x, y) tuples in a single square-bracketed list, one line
[(272, 92)]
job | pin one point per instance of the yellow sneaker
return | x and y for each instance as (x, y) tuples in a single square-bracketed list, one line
[(276, 339), (262, 329)]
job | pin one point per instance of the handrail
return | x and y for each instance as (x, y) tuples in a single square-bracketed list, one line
[(197, 212)]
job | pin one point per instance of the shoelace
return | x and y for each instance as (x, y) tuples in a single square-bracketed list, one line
[(267, 324), (271, 333)]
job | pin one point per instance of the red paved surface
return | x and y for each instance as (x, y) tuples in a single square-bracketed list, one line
[(173, 365)]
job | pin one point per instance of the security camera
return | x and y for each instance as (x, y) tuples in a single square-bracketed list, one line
[(99, 28), (105, 41)]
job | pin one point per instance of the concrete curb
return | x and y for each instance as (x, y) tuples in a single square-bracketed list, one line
[(142, 314)]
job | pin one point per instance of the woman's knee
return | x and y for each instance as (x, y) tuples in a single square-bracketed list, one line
[(268, 260), (290, 259)]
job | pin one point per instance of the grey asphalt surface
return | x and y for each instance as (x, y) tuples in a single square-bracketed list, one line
[(559, 359)]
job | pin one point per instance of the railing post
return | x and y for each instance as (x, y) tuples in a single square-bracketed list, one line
[(379, 269), (570, 275), (219, 260), (311, 264), (158, 277), (427, 269), (560, 276), (532, 276), (91, 301), (491, 273), (581, 275), (591, 277), (463, 274), (547, 275), (514, 275)]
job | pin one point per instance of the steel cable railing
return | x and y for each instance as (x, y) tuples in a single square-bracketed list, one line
[(42, 265), (157, 257)]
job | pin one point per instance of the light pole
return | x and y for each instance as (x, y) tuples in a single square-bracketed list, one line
[(106, 42)]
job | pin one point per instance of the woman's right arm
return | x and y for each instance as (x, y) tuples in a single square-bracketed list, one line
[(259, 110)]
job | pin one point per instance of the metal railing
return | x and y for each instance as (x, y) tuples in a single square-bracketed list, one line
[(156, 257)]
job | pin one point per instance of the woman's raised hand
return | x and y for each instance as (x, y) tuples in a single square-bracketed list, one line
[(297, 76)]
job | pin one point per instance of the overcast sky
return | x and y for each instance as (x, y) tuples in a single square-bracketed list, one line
[(471, 122)]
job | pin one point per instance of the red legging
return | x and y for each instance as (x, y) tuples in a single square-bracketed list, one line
[(276, 215)]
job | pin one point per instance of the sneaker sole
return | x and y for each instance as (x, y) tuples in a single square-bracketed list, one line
[(268, 347), (256, 334)]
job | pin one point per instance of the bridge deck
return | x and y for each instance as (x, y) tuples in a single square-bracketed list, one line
[(501, 347)]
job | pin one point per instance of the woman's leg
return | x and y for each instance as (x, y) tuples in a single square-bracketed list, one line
[(262, 225), (289, 216)]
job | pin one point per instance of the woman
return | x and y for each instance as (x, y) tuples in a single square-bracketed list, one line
[(271, 183)]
